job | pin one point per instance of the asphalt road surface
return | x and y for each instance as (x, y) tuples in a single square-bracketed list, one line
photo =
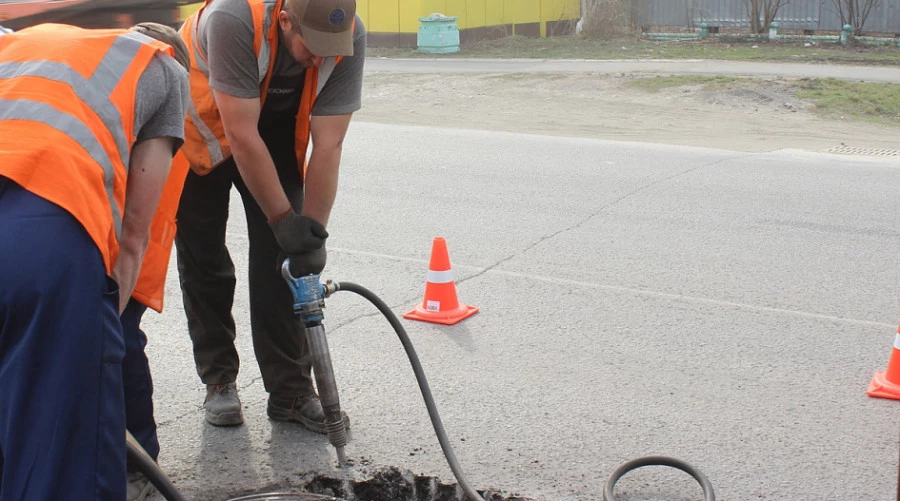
[(724, 308)]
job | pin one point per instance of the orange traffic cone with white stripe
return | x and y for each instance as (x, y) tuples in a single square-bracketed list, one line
[(886, 384), (440, 305)]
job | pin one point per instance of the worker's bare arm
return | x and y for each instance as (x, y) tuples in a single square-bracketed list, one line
[(240, 119), (328, 134), (149, 166)]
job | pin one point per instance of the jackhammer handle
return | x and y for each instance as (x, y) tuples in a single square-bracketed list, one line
[(324, 370)]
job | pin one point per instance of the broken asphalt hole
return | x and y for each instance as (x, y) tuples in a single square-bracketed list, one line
[(388, 484)]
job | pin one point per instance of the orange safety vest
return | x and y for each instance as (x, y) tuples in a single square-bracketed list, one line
[(67, 98), (151, 281), (205, 144)]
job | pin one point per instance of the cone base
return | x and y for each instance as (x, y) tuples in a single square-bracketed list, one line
[(442, 317), (882, 388)]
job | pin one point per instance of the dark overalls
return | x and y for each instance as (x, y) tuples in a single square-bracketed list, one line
[(207, 272), (137, 381), (62, 411)]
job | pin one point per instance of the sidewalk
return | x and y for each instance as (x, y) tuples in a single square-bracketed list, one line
[(688, 67)]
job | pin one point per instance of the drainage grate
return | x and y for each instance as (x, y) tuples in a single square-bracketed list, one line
[(853, 150)]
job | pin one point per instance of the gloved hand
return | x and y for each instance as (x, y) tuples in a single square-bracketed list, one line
[(297, 234), (305, 263)]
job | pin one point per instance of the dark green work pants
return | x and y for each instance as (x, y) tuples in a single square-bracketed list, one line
[(207, 275)]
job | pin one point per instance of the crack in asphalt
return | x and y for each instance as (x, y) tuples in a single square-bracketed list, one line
[(600, 210), (177, 418), (550, 236)]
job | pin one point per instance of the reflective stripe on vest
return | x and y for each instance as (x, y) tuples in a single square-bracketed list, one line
[(213, 144), (95, 92), (70, 94), (76, 129), (205, 143)]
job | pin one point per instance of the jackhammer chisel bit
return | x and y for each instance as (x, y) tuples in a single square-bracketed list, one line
[(309, 299)]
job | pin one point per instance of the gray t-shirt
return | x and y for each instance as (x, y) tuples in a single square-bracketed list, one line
[(225, 33), (162, 97)]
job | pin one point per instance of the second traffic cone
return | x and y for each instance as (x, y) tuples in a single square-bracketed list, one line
[(440, 305), (886, 384)]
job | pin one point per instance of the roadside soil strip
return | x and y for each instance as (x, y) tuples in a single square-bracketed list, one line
[(762, 114)]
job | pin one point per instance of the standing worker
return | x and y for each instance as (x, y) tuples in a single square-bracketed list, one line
[(267, 76), (89, 123)]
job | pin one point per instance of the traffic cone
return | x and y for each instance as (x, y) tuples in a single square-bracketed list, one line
[(886, 384), (440, 305)]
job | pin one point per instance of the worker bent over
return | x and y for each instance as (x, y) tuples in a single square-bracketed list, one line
[(267, 78), (89, 123)]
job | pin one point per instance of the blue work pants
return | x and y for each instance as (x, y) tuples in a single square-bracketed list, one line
[(62, 410), (137, 381)]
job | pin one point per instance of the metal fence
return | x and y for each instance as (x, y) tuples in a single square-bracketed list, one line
[(816, 15)]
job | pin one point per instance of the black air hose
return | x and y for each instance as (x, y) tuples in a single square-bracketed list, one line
[(420, 377), (146, 465)]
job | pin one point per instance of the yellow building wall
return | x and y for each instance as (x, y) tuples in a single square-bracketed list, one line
[(402, 16), (379, 15), (525, 11), (186, 10), (362, 8), (383, 16), (456, 8), (431, 6), (475, 13), (494, 13), (410, 12)]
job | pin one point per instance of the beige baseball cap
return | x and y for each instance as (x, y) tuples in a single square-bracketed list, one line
[(326, 25)]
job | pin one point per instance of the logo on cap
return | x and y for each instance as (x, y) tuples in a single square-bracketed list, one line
[(336, 18)]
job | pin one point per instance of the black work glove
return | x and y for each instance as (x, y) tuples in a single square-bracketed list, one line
[(305, 263), (297, 234)]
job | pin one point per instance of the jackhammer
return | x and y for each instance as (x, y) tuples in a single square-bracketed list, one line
[(309, 300)]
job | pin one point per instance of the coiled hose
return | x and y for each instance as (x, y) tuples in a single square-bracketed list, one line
[(609, 492)]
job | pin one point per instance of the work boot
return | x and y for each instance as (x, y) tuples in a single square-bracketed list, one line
[(306, 410), (139, 486), (222, 405)]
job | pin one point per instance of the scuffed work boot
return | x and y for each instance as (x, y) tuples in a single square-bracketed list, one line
[(306, 410), (222, 405)]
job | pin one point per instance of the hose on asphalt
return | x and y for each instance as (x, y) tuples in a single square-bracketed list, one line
[(146, 465), (420, 378), (609, 492)]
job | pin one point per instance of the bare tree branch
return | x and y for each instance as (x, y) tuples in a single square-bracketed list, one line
[(763, 12), (855, 12), (864, 15)]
